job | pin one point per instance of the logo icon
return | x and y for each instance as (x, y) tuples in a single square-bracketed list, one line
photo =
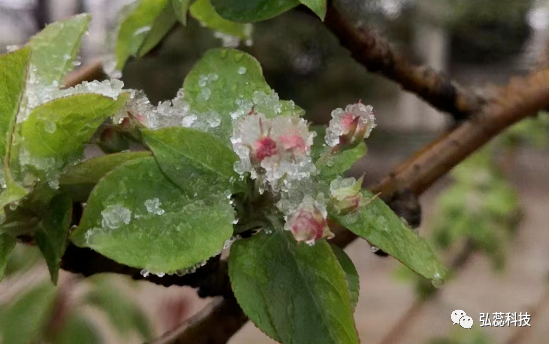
[(459, 317)]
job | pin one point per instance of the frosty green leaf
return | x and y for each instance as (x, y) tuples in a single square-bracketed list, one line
[(247, 11), (55, 47), (203, 11), (341, 162), (200, 163), (293, 293), (54, 134), (317, 6), (137, 217), (13, 77), (379, 225), (91, 170), (52, 231), (352, 277), (7, 244), (228, 83), (135, 28)]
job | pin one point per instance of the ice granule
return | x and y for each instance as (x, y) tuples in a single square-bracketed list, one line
[(115, 216)]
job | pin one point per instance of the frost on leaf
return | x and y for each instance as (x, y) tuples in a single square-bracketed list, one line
[(115, 216), (349, 127)]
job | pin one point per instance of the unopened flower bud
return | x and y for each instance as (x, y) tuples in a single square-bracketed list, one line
[(264, 148), (346, 196), (349, 127), (308, 223)]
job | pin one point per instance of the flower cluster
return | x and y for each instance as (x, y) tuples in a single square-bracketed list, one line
[(274, 150), (349, 127)]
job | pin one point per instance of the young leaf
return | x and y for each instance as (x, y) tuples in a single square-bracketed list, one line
[(28, 315), (247, 11), (138, 217), (379, 225), (13, 77), (55, 47), (200, 163), (180, 9), (159, 29), (336, 165), (317, 6), (51, 233), (7, 244), (352, 277), (225, 78), (135, 28), (54, 134), (203, 11), (294, 293)]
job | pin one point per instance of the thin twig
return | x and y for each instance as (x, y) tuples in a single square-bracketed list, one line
[(215, 323), (377, 55), (92, 71)]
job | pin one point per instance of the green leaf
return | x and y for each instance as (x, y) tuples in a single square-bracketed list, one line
[(247, 11), (13, 77), (135, 27), (162, 25), (123, 314), (379, 225), (28, 315), (317, 6), (203, 11), (138, 217), (55, 133), (352, 277), (200, 163), (55, 47), (339, 163), (180, 9), (7, 244), (77, 329), (91, 170), (52, 231), (293, 292), (234, 78)]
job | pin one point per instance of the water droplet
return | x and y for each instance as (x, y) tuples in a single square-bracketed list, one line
[(144, 273), (374, 249), (241, 70)]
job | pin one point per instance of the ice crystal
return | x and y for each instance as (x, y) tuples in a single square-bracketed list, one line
[(115, 216), (228, 41), (153, 206)]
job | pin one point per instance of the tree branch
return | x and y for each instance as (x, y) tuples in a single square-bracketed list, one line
[(377, 55), (93, 71)]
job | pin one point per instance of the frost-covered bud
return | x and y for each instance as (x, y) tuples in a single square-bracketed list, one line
[(349, 127), (273, 149), (308, 222), (346, 196)]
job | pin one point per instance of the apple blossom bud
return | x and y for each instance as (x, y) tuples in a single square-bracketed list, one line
[(264, 148), (349, 127), (346, 196), (308, 223)]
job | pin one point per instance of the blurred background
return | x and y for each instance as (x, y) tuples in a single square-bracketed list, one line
[(488, 219)]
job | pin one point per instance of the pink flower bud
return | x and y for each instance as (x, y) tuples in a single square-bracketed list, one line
[(349, 127), (346, 196), (308, 223), (264, 147), (293, 143)]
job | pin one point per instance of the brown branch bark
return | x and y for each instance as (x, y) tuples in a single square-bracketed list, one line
[(377, 55), (90, 72)]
